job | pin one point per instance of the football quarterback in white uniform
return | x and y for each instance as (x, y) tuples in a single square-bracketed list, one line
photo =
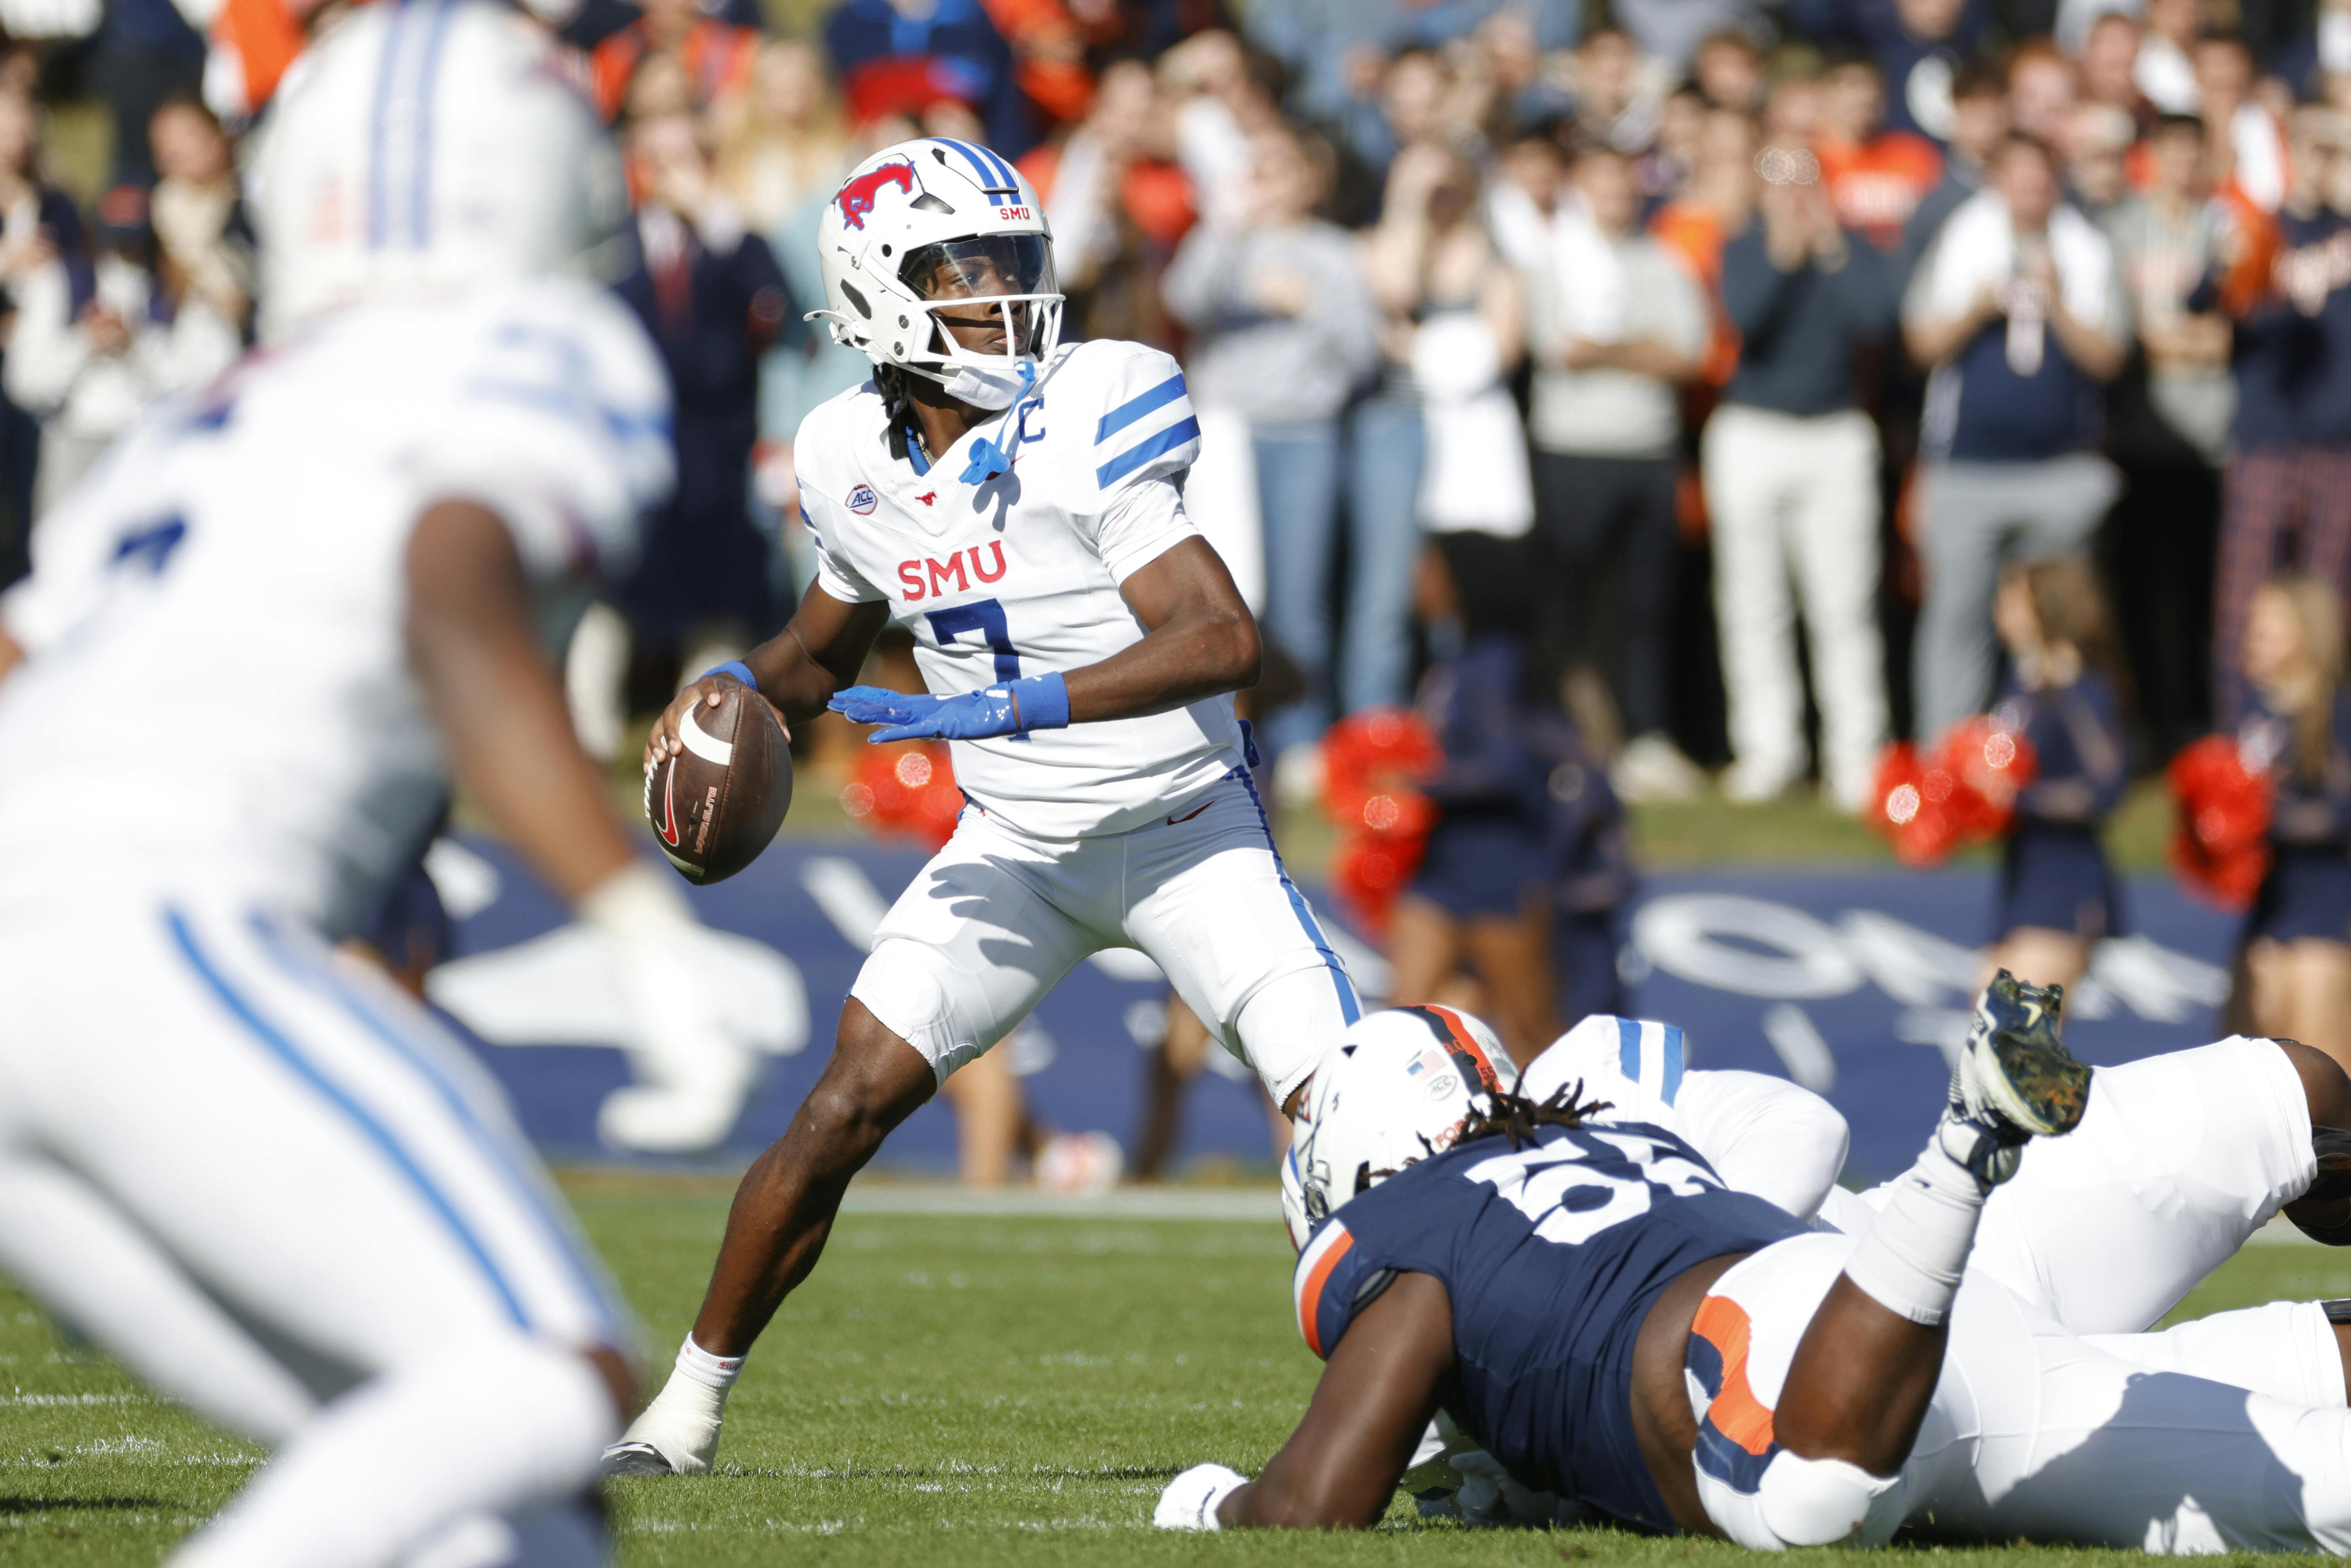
[(1015, 504), (258, 641)]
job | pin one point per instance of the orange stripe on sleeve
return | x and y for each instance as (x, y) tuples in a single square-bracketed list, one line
[(1310, 1295)]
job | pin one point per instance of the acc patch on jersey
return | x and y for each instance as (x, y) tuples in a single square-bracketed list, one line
[(860, 500)]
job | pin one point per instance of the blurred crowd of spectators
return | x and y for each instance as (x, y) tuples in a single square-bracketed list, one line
[(1729, 317)]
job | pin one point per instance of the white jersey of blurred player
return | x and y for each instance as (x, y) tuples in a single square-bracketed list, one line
[(260, 1175), (2169, 1441)]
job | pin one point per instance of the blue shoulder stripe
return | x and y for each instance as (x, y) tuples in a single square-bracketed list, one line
[(1136, 407), (1134, 458), (1650, 1054)]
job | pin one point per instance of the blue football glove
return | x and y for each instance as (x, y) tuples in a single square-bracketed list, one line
[(1016, 707)]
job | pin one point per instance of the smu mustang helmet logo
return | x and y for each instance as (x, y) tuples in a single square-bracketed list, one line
[(856, 198)]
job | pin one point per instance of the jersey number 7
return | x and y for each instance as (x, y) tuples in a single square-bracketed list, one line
[(985, 616)]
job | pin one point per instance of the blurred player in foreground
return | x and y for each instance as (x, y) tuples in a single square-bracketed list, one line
[(2047, 1420), (1017, 504), (265, 632)]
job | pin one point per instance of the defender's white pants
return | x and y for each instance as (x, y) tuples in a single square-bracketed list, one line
[(2039, 1433)]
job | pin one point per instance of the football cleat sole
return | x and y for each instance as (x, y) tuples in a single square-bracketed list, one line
[(2022, 1072)]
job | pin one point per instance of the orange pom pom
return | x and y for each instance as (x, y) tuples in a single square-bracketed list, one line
[(1910, 806), (1369, 760), (907, 789), (2219, 844)]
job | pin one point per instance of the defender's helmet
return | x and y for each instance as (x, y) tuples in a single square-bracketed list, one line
[(423, 145), (933, 223), (1397, 1088)]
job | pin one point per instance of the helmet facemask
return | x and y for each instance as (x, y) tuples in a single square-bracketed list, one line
[(1000, 281)]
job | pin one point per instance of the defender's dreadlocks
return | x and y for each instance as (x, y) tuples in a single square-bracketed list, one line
[(1515, 1117)]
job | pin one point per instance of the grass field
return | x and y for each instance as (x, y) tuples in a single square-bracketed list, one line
[(948, 1390)]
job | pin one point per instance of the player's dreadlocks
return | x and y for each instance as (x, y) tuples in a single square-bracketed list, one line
[(897, 407), (1515, 1117)]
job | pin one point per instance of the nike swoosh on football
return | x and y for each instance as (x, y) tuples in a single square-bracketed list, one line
[(669, 804)]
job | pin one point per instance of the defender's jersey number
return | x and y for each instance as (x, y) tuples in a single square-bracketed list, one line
[(1575, 1187)]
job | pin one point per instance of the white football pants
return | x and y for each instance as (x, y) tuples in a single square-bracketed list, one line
[(997, 918), (2179, 1159), (266, 1181), (1791, 497), (2039, 1433)]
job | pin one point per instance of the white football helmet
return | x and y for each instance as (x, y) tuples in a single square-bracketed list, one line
[(423, 145), (933, 222), (1397, 1088)]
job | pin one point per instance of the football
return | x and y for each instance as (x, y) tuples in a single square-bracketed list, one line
[(717, 804)]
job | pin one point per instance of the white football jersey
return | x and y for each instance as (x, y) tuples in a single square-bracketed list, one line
[(218, 686), (1018, 575)]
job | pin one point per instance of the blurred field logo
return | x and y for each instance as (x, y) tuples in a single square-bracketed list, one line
[(856, 198)]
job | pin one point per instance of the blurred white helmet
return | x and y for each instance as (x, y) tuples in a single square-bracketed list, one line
[(1397, 1088), (424, 145), (933, 222)]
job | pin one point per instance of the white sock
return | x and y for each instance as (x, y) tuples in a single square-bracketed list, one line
[(718, 1372), (498, 1427), (1911, 1261), (683, 1421)]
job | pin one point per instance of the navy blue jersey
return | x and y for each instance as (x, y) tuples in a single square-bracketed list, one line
[(1552, 1255)]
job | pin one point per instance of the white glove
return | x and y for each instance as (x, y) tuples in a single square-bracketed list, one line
[(1191, 1499), (693, 1061)]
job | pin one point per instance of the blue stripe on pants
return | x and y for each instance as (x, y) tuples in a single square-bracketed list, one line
[(276, 1043), (492, 1147), (1349, 1008)]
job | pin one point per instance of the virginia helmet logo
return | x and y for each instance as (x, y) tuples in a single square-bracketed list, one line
[(856, 198)]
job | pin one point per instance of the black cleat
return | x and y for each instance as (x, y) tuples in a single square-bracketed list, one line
[(2015, 1081)]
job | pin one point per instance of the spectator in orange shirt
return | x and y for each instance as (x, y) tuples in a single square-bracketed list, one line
[(716, 55), (1876, 178), (1712, 207)]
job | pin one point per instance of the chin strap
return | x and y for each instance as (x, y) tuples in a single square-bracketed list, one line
[(988, 459)]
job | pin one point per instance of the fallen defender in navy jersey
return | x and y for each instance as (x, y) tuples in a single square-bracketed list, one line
[(1549, 1282)]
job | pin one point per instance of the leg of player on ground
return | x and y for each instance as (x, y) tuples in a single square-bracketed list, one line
[(1864, 1372)]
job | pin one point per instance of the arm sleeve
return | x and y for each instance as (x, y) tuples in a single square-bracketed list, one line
[(560, 425), (1198, 283), (822, 515), (46, 354), (1143, 429), (1765, 1135)]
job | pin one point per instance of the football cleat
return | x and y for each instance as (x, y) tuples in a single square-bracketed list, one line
[(626, 1458), (2014, 1082)]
